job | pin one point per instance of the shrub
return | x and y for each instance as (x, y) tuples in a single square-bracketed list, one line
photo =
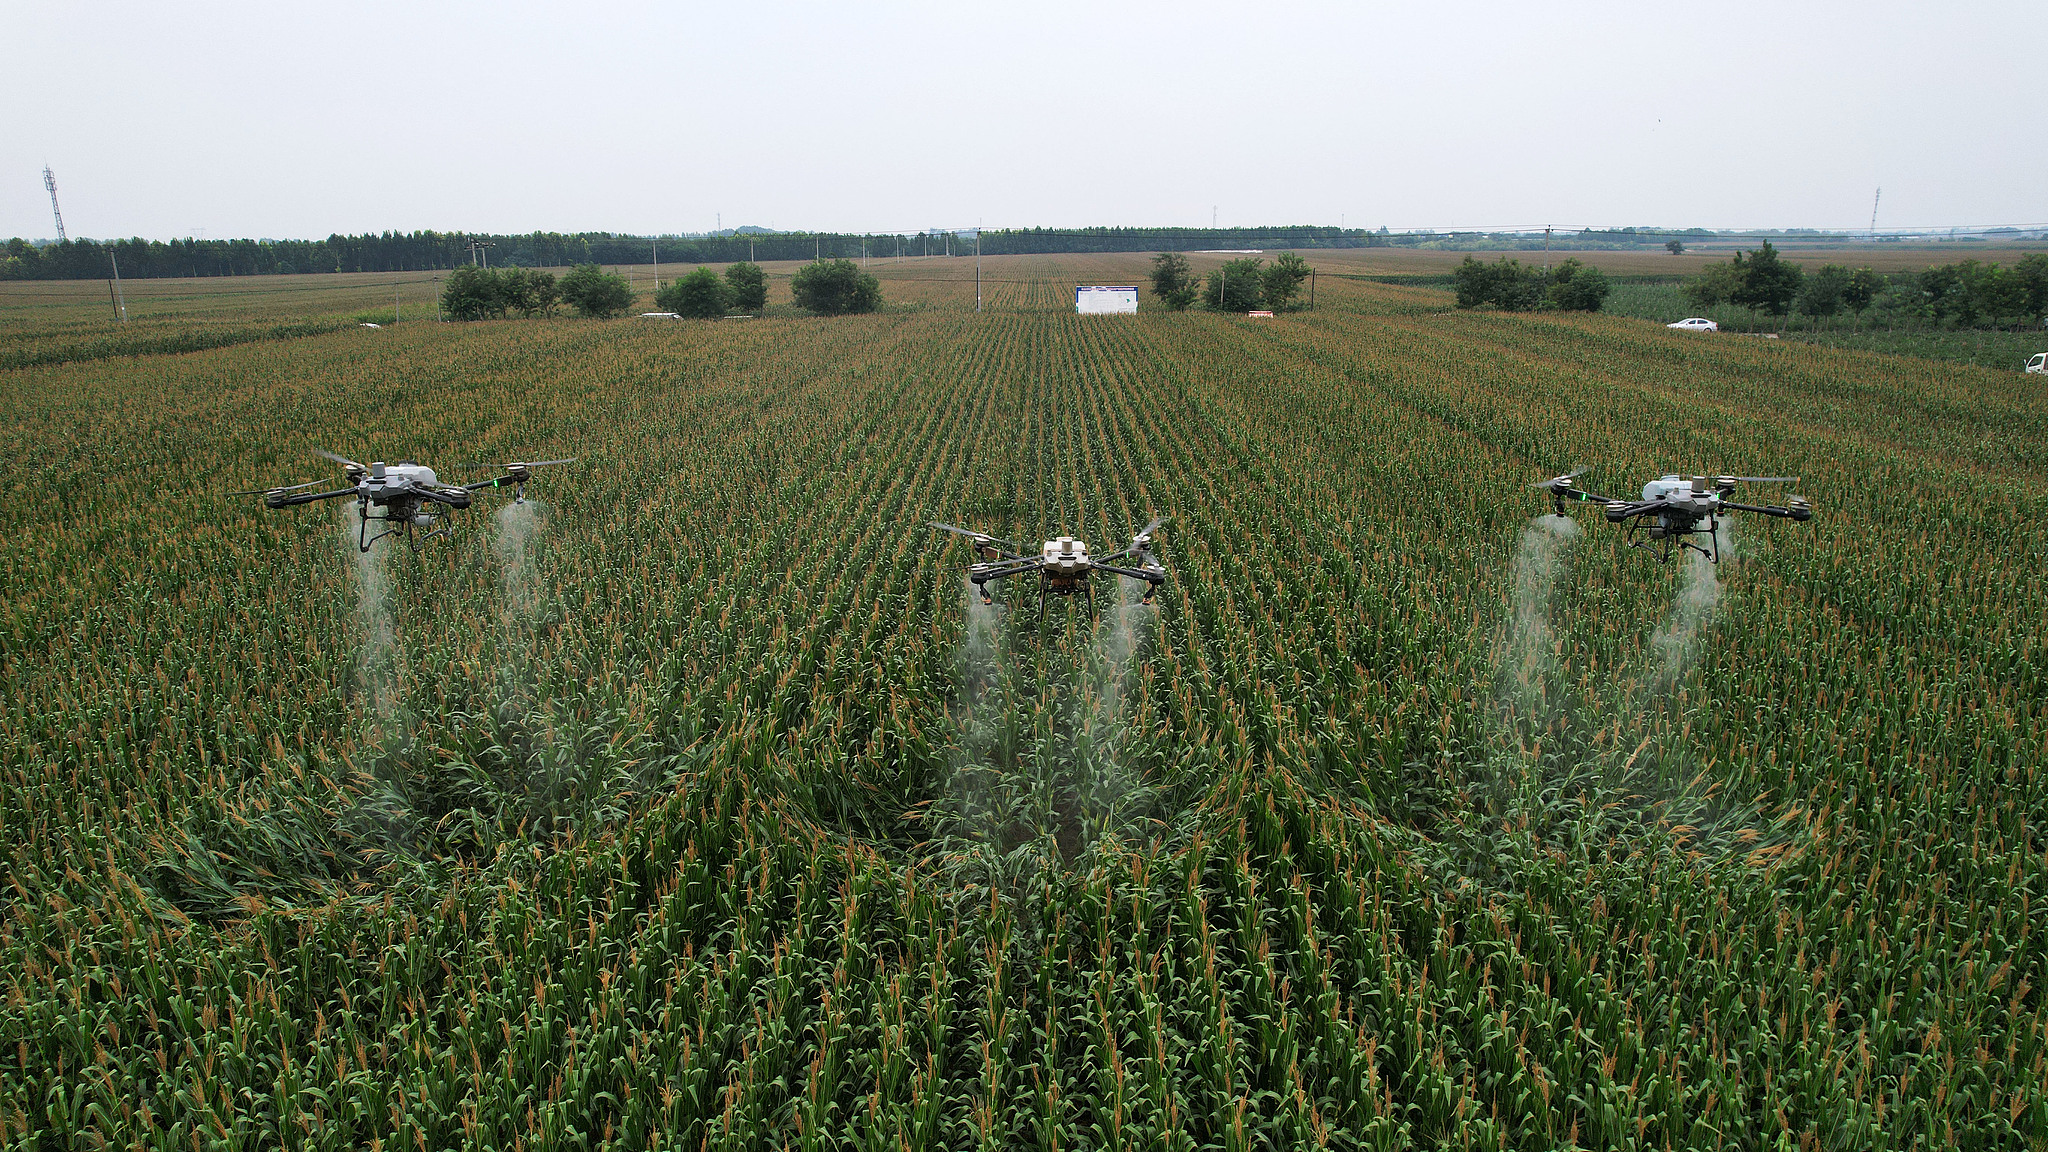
[(1173, 281), (1505, 284), (1283, 280), (835, 288), (594, 292), (1244, 282), (1574, 287), (748, 286), (701, 294), (472, 293), (1765, 281)]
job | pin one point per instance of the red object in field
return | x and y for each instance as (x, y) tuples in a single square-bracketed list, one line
[(1266, 315)]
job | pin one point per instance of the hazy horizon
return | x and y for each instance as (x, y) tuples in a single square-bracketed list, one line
[(244, 120)]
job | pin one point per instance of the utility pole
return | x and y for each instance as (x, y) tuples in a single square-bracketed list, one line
[(394, 299), (50, 182), (977, 266), (120, 298), (654, 247), (1873, 209), (1212, 217), (1546, 247), (476, 248), (1311, 289)]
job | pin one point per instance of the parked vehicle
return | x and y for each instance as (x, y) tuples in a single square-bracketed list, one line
[(2039, 364), (1695, 324)]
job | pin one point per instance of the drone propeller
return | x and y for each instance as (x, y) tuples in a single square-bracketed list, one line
[(522, 465), (971, 535), (344, 461), (1758, 479), (1569, 476), (267, 491), (1148, 529)]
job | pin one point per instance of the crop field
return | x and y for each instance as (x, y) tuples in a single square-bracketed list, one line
[(695, 803)]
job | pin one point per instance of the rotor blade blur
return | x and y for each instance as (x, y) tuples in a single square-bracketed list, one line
[(336, 457), (261, 491)]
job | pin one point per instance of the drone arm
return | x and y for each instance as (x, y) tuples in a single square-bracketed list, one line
[(286, 500), (494, 482), (1796, 512), (1576, 493), (1620, 511), (1000, 570), (453, 497), (1153, 579)]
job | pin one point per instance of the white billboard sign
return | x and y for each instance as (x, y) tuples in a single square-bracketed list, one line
[(1104, 299)]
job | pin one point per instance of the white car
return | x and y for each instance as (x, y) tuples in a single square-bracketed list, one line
[(1696, 324), (2039, 364)]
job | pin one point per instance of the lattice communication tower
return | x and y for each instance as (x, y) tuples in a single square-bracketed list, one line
[(50, 182)]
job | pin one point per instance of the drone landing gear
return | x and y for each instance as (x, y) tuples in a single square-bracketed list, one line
[(1045, 589), (1664, 540), (405, 525)]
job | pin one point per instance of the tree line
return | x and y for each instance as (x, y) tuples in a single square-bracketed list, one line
[(1966, 294), (827, 287), (434, 251), (1507, 284), (408, 252)]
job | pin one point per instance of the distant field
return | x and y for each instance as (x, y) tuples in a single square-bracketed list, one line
[(695, 803), (1881, 257)]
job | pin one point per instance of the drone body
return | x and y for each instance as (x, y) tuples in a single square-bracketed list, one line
[(1063, 565), (408, 494), (1676, 509)]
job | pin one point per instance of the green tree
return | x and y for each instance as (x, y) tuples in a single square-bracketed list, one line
[(1235, 287), (1505, 284), (1173, 281), (594, 292), (1284, 279), (1766, 281), (528, 292), (835, 288), (749, 286), (1575, 287), (1717, 285), (1863, 288), (473, 293), (701, 295), (2032, 275), (1675, 247), (1824, 291)]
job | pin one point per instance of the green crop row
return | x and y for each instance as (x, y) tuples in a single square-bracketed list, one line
[(695, 803)]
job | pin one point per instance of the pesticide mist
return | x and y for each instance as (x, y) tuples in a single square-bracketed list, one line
[(377, 658), (1106, 786), (1676, 642), (1531, 656), (512, 543)]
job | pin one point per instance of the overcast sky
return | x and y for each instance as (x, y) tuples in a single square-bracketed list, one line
[(297, 120)]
